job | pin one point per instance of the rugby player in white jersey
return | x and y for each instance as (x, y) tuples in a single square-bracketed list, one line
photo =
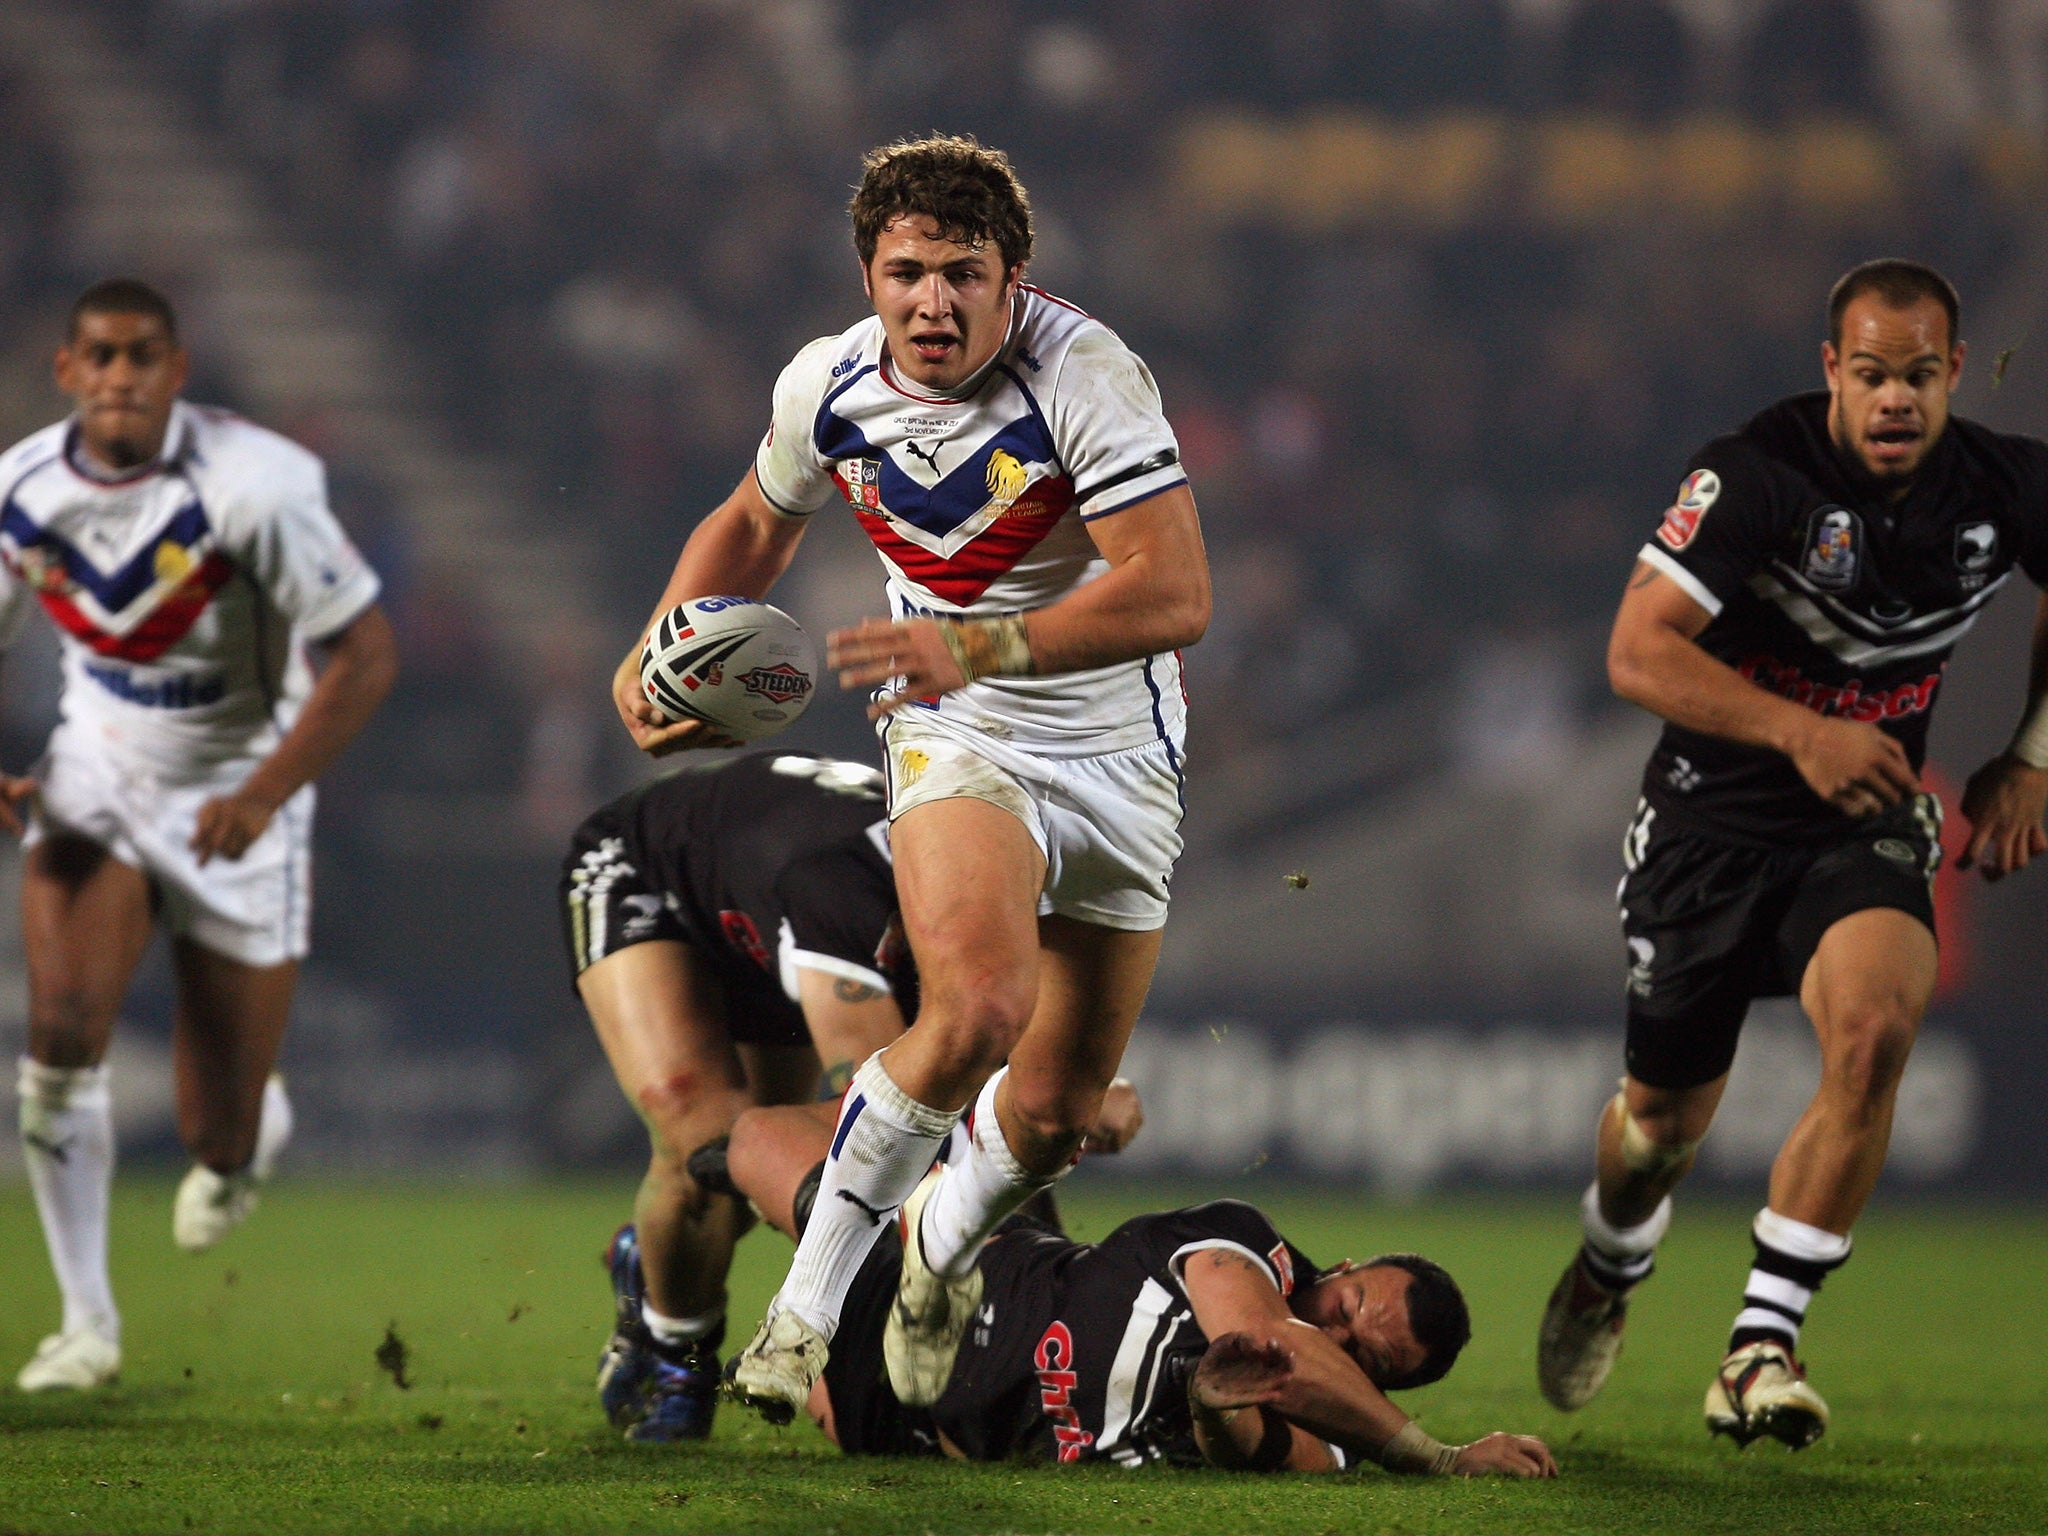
[(1008, 457), (188, 559)]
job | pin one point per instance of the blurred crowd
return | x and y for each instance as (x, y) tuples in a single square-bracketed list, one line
[(1440, 293)]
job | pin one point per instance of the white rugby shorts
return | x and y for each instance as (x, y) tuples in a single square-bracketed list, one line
[(256, 909), (1109, 826)]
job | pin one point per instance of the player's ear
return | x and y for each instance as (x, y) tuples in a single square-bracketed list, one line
[(1830, 363), (1955, 363)]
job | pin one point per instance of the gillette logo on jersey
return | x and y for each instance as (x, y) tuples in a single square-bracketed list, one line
[(977, 502)]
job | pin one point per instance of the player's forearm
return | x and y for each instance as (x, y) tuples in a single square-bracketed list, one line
[(741, 549), (362, 665), (1669, 675), (1147, 605), (1330, 1397)]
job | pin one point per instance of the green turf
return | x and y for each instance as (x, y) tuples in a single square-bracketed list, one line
[(251, 1400)]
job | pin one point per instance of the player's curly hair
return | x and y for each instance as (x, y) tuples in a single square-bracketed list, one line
[(1437, 1316), (969, 190)]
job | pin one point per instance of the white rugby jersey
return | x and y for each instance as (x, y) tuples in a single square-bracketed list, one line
[(976, 502), (183, 593)]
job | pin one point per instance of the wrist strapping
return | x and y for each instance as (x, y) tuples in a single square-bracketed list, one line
[(988, 647), (1412, 1450), (2030, 741)]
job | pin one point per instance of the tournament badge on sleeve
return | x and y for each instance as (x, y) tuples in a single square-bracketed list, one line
[(1831, 552), (1682, 517)]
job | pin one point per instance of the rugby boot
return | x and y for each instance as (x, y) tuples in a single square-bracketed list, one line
[(1761, 1390), (76, 1361), (774, 1374), (682, 1394), (1580, 1338), (627, 1363), (930, 1313), (210, 1205)]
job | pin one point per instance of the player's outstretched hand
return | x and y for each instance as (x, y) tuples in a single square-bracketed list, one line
[(1853, 765), (2003, 804), (1237, 1371), (652, 731), (14, 794), (876, 650), (1119, 1120), (1504, 1455), (228, 824)]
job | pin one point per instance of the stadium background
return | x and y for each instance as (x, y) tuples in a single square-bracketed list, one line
[(1440, 293)]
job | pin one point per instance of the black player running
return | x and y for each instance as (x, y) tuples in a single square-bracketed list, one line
[(731, 926), (1186, 1337), (1791, 621)]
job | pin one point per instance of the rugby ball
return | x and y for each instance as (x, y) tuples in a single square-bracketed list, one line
[(744, 668)]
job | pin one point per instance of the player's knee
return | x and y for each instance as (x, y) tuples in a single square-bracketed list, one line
[(677, 1105), (1867, 1056), (1055, 1115)]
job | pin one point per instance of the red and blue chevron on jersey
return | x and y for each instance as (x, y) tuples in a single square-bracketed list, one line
[(183, 591), (978, 502)]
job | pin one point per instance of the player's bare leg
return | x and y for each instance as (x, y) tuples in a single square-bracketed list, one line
[(85, 925), (968, 876), (232, 1114), (1029, 1123), (661, 1019), (1865, 989), (1645, 1144)]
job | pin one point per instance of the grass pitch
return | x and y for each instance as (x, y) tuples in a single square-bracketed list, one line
[(252, 1399)]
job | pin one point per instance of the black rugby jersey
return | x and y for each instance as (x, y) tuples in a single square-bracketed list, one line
[(1824, 593), (775, 860), (1082, 1350)]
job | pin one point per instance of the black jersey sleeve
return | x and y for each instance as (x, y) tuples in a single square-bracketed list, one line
[(1177, 1236), (2033, 507), (1722, 526), (839, 903)]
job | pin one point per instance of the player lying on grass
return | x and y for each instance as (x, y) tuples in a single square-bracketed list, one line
[(198, 581), (1791, 620), (1190, 1336)]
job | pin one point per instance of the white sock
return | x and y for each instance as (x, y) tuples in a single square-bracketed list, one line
[(1620, 1257), (977, 1192), (273, 1129), (675, 1332), (67, 1141), (884, 1144)]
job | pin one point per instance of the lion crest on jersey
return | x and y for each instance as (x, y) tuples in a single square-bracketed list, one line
[(1007, 479)]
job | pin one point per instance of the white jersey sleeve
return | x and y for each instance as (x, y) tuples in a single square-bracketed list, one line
[(1109, 428), (16, 602), (791, 475), (288, 541)]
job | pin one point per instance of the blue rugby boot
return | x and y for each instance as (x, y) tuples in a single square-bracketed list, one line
[(627, 1363), (682, 1392)]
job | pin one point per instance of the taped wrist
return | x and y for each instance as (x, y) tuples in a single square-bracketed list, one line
[(2030, 741), (988, 647), (1412, 1450)]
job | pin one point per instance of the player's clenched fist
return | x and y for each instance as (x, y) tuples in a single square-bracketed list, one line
[(1852, 765), (876, 650), (2003, 803), (14, 794), (228, 824), (1503, 1455)]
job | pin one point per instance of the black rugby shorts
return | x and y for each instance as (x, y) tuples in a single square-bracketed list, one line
[(1713, 924), (611, 901)]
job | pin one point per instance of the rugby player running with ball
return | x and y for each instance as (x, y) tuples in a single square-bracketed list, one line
[(1790, 621), (1008, 457)]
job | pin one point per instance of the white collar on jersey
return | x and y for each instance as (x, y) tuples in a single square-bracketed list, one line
[(972, 384), (177, 438)]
